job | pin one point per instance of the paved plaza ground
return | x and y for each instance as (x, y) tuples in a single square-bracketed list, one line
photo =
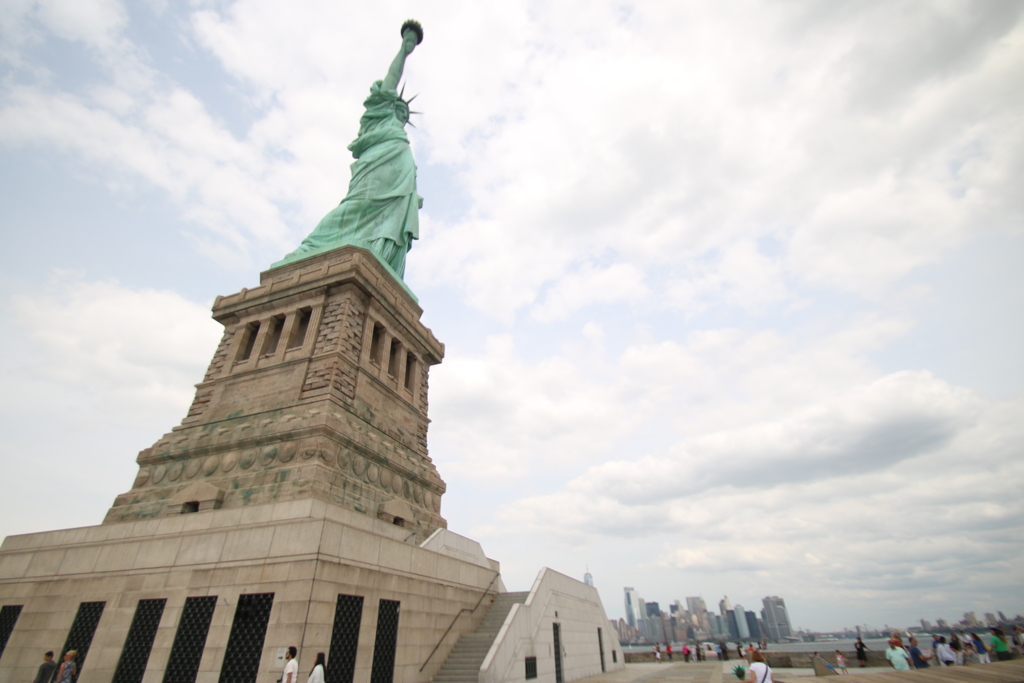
[(721, 672)]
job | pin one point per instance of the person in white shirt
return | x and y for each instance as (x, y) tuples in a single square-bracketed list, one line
[(317, 674), (759, 672), (945, 653), (291, 669)]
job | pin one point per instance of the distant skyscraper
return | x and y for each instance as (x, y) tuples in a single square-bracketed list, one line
[(588, 579), (752, 627), (719, 626), (653, 610), (776, 618), (743, 632), (734, 628), (724, 605), (698, 613), (632, 607)]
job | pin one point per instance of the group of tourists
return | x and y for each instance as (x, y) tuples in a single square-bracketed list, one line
[(699, 654), (757, 672), (960, 649), (291, 667)]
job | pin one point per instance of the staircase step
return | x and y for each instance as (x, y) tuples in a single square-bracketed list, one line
[(463, 662)]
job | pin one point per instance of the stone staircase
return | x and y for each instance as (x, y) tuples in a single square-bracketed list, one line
[(463, 663)]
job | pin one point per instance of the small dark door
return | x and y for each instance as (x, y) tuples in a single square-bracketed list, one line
[(600, 647), (558, 653)]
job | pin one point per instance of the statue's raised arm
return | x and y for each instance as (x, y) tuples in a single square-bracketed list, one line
[(412, 35), (380, 211)]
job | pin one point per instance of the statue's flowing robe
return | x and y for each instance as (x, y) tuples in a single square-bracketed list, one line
[(380, 211)]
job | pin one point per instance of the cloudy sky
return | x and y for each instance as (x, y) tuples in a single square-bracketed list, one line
[(731, 292)]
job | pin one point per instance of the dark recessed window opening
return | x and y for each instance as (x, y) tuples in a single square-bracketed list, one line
[(245, 643), (83, 628), (383, 669), (139, 641), (298, 336), (410, 371), (396, 348), (8, 618), (531, 668), (376, 342), (274, 338), (341, 660), (191, 506), (190, 639), (252, 330)]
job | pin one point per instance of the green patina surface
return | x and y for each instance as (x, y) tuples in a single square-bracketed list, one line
[(380, 212)]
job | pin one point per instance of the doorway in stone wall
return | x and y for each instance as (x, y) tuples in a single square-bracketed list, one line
[(558, 652)]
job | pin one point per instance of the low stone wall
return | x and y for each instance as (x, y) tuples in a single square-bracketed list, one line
[(777, 660), (803, 660)]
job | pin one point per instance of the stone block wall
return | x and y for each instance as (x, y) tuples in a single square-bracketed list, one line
[(304, 552)]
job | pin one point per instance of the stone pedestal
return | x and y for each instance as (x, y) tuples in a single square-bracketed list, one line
[(318, 389)]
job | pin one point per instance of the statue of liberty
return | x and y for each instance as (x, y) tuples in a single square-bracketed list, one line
[(380, 211)]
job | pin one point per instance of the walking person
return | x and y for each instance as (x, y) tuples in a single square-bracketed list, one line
[(46, 668), (917, 658), (657, 652), (862, 652), (291, 669), (944, 653), (841, 663), (999, 645), (897, 656), (317, 674), (957, 647), (981, 649), (668, 651), (66, 674)]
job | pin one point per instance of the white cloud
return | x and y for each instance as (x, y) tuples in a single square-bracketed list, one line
[(97, 23), (138, 350), (620, 283)]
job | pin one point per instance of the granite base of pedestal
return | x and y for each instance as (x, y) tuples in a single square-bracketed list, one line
[(300, 556)]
